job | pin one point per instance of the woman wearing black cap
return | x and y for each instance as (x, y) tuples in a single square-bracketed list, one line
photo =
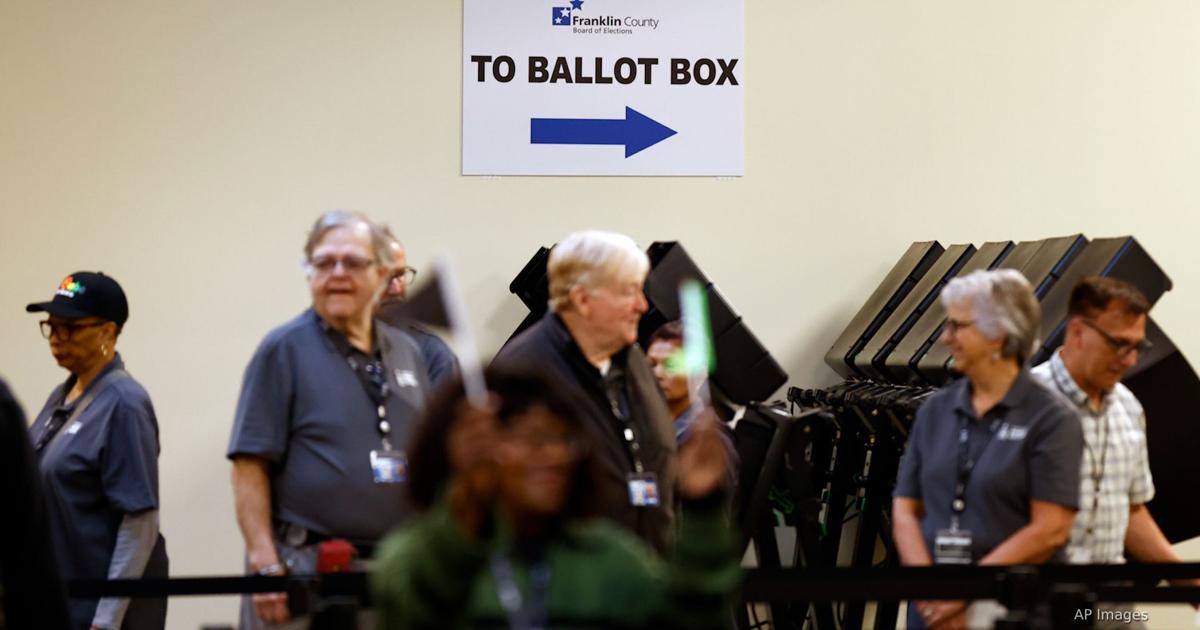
[(96, 441)]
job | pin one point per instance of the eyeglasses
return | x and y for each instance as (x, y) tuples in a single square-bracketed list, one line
[(1120, 346), (328, 264), (64, 330), (405, 276), (542, 442), (955, 325)]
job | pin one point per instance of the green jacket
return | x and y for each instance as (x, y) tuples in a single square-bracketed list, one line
[(429, 574)]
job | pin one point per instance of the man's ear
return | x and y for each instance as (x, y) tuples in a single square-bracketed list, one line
[(1073, 331), (580, 299)]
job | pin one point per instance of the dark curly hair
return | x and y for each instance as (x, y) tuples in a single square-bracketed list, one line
[(518, 391), (671, 332)]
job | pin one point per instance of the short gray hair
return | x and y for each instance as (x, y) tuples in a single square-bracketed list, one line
[(1003, 305), (590, 259), (335, 219)]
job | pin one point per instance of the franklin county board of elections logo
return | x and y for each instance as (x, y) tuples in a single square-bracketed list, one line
[(580, 23), (562, 15)]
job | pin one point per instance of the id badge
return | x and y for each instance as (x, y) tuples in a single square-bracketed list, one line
[(643, 489), (389, 466), (952, 546)]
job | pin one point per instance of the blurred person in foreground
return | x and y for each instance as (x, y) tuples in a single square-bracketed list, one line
[(506, 541), (990, 474), (31, 590)]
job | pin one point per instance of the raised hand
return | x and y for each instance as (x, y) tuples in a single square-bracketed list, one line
[(703, 461)]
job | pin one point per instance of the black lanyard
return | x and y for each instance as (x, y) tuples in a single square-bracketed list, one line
[(966, 463), (618, 402), (523, 613), (1097, 471), (372, 375), (63, 413), (57, 419), (1097, 466)]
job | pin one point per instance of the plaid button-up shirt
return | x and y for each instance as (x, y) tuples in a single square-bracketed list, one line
[(1115, 454)]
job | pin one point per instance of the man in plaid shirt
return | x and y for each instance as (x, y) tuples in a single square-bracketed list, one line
[(1105, 333)]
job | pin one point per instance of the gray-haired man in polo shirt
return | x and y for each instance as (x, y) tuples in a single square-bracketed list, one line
[(1106, 331), (328, 402)]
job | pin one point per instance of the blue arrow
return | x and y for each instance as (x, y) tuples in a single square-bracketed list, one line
[(636, 131)]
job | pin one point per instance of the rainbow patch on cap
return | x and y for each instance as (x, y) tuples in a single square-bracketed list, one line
[(70, 287)]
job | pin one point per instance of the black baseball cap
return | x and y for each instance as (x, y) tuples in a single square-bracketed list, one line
[(86, 294)]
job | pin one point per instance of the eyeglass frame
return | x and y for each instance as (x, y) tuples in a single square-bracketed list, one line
[(48, 328), (1120, 346), (359, 264), (408, 275)]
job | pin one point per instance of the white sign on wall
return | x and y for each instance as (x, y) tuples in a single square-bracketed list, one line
[(603, 87)]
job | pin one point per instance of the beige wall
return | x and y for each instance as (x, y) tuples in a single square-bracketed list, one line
[(185, 146)]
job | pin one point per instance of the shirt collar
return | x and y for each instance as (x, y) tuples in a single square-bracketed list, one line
[(115, 364), (558, 331), (1012, 398), (342, 344), (562, 339), (1065, 383), (683, 421)]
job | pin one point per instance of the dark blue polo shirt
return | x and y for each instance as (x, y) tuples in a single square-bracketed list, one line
[(1033, 454), (306, 411), (99, 467), (439, 359)]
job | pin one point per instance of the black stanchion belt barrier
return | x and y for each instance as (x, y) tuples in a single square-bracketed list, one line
[(967, 582), (329, 584), (808, 584)]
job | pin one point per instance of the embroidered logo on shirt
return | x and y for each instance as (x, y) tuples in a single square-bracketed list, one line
[(74, 428), (1011, 432), (405, 378)]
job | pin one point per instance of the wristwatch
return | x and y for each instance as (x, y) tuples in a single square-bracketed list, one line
[(272, 569)]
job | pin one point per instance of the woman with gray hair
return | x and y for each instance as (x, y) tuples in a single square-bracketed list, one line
[(990, 474)]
